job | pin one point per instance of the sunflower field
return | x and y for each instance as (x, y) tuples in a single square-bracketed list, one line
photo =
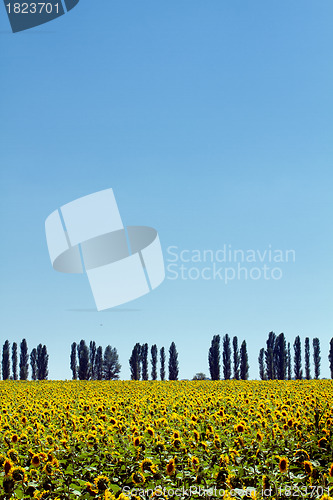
[(181, 440)]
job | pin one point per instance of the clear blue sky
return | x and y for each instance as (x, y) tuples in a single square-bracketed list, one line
[(212, 122)]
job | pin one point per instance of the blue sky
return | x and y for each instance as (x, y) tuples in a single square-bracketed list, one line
[(212, 122)]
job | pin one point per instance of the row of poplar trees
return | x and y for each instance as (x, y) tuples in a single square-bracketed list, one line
[(139, 362), (14, 370), (235, 362), (275, 362), (92, 363)]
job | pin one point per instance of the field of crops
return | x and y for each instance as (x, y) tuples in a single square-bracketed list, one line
[(136, 440)]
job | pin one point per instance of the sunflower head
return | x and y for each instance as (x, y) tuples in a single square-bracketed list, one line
[(307, 466), (151, 431), (101, 482), (322, 443), (171, 467), (91, 490), (146, 465), (7, 467), (265, 483), (283, 464), (136, 441), (14, 438), (138, 478), (18, 474), (35, 460)]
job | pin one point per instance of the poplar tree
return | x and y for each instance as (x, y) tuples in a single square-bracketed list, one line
[(42, 362), (73, 359), (214, 358), (144, 360), (153, 352), (99, 363), (6, 360), (330, 357), (24, 360), (262, 373), (173, 362), (162, 361), (226, 355), (269, 356), (33, 363), (83, 361), (280, 357), (236, 358), (244, 362), (134, 362), (307, 358), (92, 358), (297, 359), (14, 360), (316, 356), (288, 362)]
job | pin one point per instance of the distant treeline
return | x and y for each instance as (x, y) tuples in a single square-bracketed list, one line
[(92, 364), (14, 370), (277, 361)]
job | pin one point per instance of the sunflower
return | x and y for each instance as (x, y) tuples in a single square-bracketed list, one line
[(176, 443), (171, 467), (14, 438), (18, 474), (301, 455), (259, 437), (50, 440), (283, 464), (239, 427), (136, 441), (90, 489), (138, 478), (146, 465), (196, 435), (307, 466), (265, 483), (7, 466), (194, 462), (13, 455), (102, 483), (322, 443), (151, 431), (48, 469), (35, 461)]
